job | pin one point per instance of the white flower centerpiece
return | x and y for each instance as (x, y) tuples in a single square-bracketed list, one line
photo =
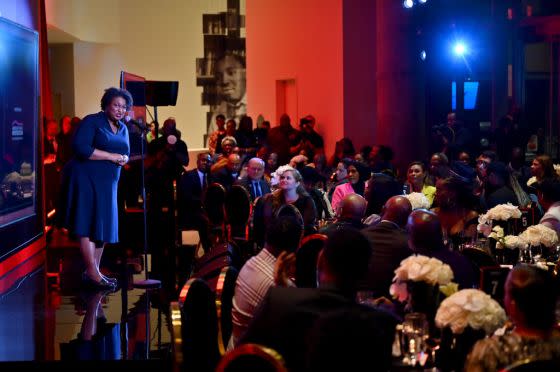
[(502, 212), (418, 200), (421, 269), (470, 308), (465, 317), (536, 237), (539, 234)]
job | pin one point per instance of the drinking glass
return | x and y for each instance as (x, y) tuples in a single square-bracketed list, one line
[(414, 334), (525, 255)]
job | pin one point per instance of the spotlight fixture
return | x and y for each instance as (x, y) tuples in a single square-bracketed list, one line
[(423, 55), (422, 1), (408, 4), (460, 49)]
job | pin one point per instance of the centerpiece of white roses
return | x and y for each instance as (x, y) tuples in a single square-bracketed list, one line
[(513, 244), (418, 200), (420, 282), (536, 237), (465, 317)]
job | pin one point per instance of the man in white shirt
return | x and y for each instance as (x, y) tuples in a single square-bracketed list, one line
[(257, 275)]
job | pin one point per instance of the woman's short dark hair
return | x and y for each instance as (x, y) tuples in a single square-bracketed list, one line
[(111, 93)]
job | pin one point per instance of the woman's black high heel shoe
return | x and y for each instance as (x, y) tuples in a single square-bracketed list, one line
[(102, 284)]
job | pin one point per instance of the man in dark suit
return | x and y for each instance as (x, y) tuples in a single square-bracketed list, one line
[(190, 195), (254, 182), (426, 238), (389, 245), (352, 210), (227, 175), (288, 317)]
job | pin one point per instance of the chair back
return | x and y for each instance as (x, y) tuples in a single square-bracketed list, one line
[(225, 288), (176, 335), (238, 209), (199, 330), (252, 358), (258, 229), (209, 266), (306, 260), (478, 258), (214, 202), (529, 365)]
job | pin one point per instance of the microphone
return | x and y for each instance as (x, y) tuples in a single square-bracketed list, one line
[(138, 124)]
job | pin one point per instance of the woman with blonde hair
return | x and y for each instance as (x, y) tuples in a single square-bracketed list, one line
[(290, 192)]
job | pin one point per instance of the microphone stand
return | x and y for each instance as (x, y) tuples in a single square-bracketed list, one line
[(147, 282)]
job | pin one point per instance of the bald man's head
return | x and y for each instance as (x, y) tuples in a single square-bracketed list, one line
[(353, 207), (234, 163), (424, 231), (396, 209)]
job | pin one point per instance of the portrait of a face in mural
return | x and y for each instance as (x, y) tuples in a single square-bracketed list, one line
[(230, 87)]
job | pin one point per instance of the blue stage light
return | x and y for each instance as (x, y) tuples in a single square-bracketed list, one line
[(460, 49), (408, 4), (423, 55), (422, 1)]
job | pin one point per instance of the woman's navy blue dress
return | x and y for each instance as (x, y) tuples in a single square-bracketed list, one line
[(90, 186)]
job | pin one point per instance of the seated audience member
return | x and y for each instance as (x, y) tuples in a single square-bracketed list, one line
[(482, 163), (219, 159), (456, 209), (254, 182), (542, 168), (257, 275), (497, 188), (425, 238), (311, 178), (530, 302), (320, 163), (227, 175), (549, 199), (350, 214), (389, 245), (339, 177), (190, 193), (271, 165), (417, 181), (464, 158), (439, 167), (215, 139), (290, 191), (380, 188), (517, 167), (358, 174), (380, 158), (288, 316)]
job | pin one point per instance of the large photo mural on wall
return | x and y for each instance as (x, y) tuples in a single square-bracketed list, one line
[(221, 72)]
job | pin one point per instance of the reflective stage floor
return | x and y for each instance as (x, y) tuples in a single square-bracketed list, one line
[(46, 317)]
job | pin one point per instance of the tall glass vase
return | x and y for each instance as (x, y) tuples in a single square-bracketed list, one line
[(424, 298)]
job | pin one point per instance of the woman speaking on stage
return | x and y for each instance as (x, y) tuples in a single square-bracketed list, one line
[(90, 179)]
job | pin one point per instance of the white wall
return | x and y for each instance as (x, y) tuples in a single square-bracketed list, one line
[(159, 40)]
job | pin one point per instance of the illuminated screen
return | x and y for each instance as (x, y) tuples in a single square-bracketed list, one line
[(21, 212)]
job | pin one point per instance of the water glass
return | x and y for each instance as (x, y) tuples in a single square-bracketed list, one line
[(525, 255), (414, 334)]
